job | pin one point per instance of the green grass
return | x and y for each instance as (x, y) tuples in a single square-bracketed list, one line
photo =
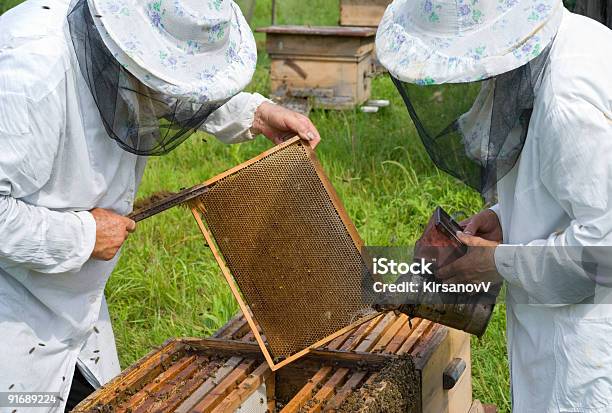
[(7, 4), (167, 283)]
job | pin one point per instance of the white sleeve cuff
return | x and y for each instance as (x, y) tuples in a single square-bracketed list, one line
[(504, 261), (89, 233), (231, 123), (495, 208), (254, 102), (85, 248)]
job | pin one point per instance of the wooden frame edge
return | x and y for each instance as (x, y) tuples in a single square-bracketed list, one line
[(232, 284), (335, 198)]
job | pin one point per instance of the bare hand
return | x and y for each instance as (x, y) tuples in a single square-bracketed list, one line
[(485, 225), (279, 124), (478, 265), (111, 232)]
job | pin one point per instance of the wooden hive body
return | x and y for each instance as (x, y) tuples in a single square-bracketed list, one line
[(331, 65), (362, 12), (228, 373)]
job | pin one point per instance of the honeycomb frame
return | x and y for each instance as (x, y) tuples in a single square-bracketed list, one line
[(268, 222)]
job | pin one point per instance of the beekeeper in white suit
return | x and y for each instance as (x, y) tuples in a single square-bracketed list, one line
[(541, 128), (89, 89)]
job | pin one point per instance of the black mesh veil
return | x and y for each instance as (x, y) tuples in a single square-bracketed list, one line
[(475, 131), (139, 119)]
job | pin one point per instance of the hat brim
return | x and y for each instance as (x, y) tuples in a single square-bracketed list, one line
[(414, 56), (196, 75)]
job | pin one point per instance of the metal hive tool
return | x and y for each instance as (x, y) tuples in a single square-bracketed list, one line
[(283, 235)]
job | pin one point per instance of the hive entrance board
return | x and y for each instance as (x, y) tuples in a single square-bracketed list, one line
[(288, 250)]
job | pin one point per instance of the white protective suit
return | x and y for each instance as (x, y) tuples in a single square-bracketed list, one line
[(560, 194), (56, 163)]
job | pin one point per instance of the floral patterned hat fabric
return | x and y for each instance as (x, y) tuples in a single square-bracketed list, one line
[(455, 41), (195, 50)]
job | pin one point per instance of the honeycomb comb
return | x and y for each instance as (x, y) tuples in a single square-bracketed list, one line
[(287, 249)]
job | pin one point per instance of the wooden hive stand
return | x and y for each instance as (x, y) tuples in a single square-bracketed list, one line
[(362, 12), (331, 66), (353, 373)]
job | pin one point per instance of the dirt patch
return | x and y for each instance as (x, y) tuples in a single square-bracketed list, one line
[(396, 389)]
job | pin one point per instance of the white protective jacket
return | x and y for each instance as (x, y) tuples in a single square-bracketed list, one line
[(560, 194), (56, 163)]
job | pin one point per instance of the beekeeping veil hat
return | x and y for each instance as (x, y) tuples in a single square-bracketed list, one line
[(158, 68), (467, 71)]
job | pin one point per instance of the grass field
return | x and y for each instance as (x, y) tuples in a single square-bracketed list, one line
[(167, 283)]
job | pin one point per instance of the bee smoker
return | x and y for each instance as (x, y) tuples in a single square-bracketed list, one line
[(472, 318), (469, 313)]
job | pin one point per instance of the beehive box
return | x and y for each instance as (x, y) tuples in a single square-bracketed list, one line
[(386, 365), (332, 66), (362, 12)]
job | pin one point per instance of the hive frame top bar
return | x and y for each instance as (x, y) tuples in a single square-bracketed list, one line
[(198, 211)]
